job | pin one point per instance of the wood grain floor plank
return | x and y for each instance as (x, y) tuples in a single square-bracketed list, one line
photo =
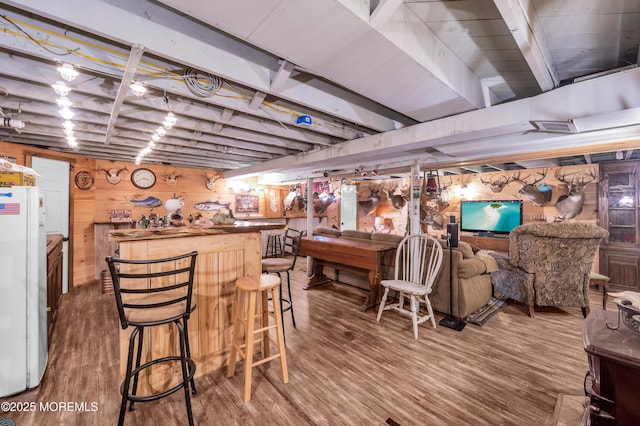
[(344, 368)]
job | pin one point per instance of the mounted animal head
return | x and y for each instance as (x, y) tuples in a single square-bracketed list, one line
[(570, 205), (370, 205), (539, 195), (496, 184), (397, 201), (430, 215), (171, 178), (210, 181), (322, 201), (112, 175)]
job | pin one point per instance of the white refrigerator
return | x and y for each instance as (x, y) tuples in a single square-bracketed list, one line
[(23, 289)]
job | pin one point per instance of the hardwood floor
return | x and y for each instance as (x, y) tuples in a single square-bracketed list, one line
[(344, 368)]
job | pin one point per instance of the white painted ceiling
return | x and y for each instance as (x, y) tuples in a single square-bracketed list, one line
[(454, 84)]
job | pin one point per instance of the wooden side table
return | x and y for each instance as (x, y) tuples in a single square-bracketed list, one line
[(614, 365)]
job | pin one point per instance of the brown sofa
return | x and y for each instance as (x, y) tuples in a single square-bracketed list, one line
[(471, 273)]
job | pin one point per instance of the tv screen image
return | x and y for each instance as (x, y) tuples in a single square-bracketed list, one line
[(496, 216)]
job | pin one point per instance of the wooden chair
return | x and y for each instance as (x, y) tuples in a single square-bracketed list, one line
[(246, 309), (598, 280), (284, 263), (150, 293), (417, 265)]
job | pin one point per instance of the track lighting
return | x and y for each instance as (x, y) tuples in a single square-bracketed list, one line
[(137, 88), (66, 113), (61, 88), (67, 72), (64, 102)]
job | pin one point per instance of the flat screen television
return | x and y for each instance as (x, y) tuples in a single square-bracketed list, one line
[(490, 216)]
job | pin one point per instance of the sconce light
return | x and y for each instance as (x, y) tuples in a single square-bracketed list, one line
[(67, 72), (304, 119), (61, 88), (137, 88)]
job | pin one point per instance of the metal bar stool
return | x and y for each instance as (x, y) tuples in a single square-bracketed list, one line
[(246, 310), (274, 246), (149, 293), (601, 280), (285, 262)]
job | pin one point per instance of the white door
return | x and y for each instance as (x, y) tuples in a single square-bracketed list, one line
[(348, 207), (54, 187)]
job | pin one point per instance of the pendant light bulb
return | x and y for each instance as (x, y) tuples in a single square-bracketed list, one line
[(67, 72)]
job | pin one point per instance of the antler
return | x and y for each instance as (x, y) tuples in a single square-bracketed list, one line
[(561, 177), (516, 177), (496, 185), (112, 175)]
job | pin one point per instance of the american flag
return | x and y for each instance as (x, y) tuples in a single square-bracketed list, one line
[(9, 209)]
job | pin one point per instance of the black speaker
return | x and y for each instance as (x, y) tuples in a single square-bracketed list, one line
[(452, 234)]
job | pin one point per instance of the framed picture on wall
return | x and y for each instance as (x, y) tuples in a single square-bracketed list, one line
[(247, 204)]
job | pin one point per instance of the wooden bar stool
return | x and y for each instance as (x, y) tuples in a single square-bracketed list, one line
[(245, 312), (600, 280)]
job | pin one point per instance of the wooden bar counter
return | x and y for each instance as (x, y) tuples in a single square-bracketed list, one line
[(225, 253)]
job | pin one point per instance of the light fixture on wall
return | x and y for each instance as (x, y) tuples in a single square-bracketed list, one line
[(67, 72), (137, 88)]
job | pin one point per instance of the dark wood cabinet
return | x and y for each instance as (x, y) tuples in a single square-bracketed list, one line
[(614, 370), (54, 279), (618, 213)]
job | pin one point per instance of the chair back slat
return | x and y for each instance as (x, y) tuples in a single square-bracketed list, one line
[(153, 283), (418, 260), (291, 245)]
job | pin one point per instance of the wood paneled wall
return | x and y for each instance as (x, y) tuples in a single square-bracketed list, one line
[(95, 204)]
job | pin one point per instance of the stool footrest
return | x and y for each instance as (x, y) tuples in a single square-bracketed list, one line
[(191, 370), (267, 359)]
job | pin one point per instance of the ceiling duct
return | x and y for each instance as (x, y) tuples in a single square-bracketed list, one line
[(555, 126)]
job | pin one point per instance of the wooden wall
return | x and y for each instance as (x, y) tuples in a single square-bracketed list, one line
[(397, 219), (95, 205)]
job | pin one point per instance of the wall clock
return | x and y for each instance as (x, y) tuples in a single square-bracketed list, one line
[(143, 178), (84, 180)]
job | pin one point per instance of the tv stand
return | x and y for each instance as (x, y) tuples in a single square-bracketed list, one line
[(487, 243)]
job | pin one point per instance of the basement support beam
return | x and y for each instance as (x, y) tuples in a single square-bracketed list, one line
[(383, 12), (281, 77), (530, 42), (134, 59)]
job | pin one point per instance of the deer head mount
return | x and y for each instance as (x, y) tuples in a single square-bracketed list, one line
[(496, 184), (171, 178), (112, 175), (210, 182), (370, 205), (397, 201), (570, 205), (538, 194)]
